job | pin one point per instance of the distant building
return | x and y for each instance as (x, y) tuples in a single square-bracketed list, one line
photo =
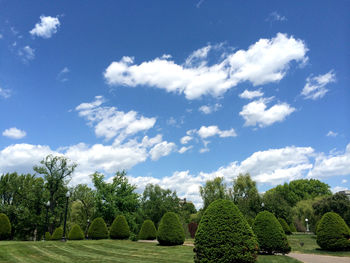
[(346, 192)]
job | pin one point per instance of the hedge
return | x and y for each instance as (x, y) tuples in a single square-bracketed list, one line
[(5, 227), (148, 231), (285, 226), (119, 228), (98, 229), (170, 230), (57, 234), (76, 233), (47, 236)]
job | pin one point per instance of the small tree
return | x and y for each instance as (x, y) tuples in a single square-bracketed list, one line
[(76, 233), (5, 227), (120, 228), (57, 234), (270, 234), (148, 230), (224, 235), (47, 236), (192, 228), (170, 231), (292, 227), (285, 226), (98, 229), (333, 233)]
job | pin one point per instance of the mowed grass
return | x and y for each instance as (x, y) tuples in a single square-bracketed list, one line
[(103, 251), (310, 245)]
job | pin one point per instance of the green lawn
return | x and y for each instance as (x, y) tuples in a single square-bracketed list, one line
[(103, 251), (310, 246)]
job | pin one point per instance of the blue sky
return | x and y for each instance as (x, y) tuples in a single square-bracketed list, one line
[(178, 92)]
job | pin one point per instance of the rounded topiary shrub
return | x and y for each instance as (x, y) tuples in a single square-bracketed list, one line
[(119, 228), (148, 231), (98, 229), (292, 228), (5, 227), (333, 233), (170, 230), (57, 234), (76, 233), (224, 235), (270, 234), (47, 236), (285, 226)]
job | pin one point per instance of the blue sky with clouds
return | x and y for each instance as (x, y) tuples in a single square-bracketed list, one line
[(178, 92)]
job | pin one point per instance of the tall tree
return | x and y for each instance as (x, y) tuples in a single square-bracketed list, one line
[(83, 206), (213, 190)]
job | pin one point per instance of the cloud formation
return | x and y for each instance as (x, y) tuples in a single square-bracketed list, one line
[(209, 131), (14, 133), (26, 53), (46, 27), (251, 94), (207, 109), (266, 61), (5, 93), (315, 87)]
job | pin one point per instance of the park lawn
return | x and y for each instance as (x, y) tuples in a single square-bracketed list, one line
[(103, 251), (310, 246)]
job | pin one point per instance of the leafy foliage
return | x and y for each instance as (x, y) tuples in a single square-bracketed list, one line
[(333, 233), (98, 229), (192, 228), (170, 231), (120, 228), (270, 234), (292, 227), (47, 236), (213, 190), (285, 226), (224, 235), (148, 231), (57, 234), (76, 233), (5, 227)]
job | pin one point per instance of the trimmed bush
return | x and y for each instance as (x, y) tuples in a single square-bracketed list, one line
[(5, 227), (224, 235), (285, 226), (119, 228), (170, 230), (57, 234), (192, 228), (47, 236), (148, 231), (292, 228), (270, 234), (98, 229), (76, 233), (333, 233)]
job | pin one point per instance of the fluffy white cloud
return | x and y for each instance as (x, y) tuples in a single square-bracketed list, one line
[(184, 149), (5, 93), (265, 61), (207, 109), (251, 94), (186, 139), (46, 28), (14, 133), (315, 87), (108, 122), (162, 149), (209, 131), (255, 113), (332, 134), (27, 53)]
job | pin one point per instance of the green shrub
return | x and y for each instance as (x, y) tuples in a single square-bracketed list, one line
[(224, 235), (285, 226), (47, 236), (170, 231), (57, 234), (76, 233), (98, 229), (148, 231), (333, 233), (270, 234), (292, 227), (119, 228), (5, 227)]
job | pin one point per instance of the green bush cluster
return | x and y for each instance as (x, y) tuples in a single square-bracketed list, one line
[(292, 228), (98, 229), (333, 233), (170, 231), (57, 234), (76, 233), (5, 227), (47, 236), (119, 228), (285, 226), (223, 235), (148, 231), (270, 234)]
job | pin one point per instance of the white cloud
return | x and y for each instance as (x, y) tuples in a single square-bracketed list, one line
[(207, 109), (27, 53), (108, 122), (162, 149), (332, 134), (255, 113), (46, 28), (265, 61), (186, 139), (315, 87), (14, 133), (1, 36), (5, 93), (184, 149), (209, 131), (274, 16), (251, 94), (62, 75), (344, 181), (338, 189)]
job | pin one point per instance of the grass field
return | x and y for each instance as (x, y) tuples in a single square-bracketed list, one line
[(310, 246), (103, 251)]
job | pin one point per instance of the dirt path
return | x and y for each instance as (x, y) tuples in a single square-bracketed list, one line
[(313, 258)]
